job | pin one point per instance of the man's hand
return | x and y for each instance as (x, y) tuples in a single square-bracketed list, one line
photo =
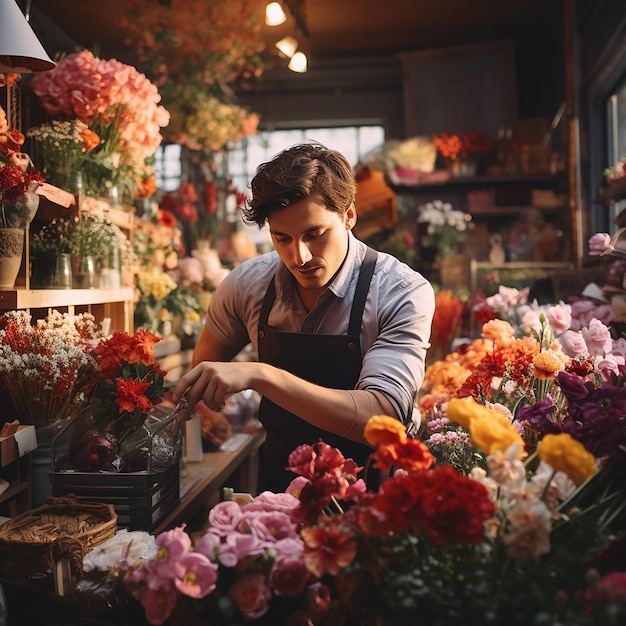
[(213, 381)]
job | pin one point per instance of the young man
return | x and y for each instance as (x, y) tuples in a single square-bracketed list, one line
[(340, 330)]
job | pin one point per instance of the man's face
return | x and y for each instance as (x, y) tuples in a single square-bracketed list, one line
[(311, 241)]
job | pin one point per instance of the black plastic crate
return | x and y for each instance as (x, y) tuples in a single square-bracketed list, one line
[(141, 500)]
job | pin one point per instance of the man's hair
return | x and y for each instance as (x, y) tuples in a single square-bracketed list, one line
[(297, 173)]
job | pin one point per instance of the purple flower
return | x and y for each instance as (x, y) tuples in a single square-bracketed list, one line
[(598, 421), (538, 416), (573, 386)]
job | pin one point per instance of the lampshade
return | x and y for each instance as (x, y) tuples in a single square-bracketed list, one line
[(20, 50), (274, 14), (288, 46), (298, 62)]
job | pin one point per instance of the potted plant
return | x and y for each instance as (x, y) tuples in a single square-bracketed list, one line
[(51, 254)]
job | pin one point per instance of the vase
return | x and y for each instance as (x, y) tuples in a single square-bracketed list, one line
[(41, 462), (83, 271), (11, 248), (51, 271)]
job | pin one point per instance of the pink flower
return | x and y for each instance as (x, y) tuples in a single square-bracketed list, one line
[(573, 344), (251, 595), (599, 244), (560, 317), (609, 365), (224, 517), (172, 546), (289, 575), (269, 526), (597, 337), (199, 577), (268, 501), (237, 546), (208, 545), (158, 603)]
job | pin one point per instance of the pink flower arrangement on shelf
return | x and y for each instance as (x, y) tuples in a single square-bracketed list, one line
[(113, 99)]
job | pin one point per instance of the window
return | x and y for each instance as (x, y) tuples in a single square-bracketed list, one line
[(352, 141), (616, 131), (168, 167)]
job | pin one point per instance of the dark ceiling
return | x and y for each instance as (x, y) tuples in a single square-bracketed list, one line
[(334, 28)]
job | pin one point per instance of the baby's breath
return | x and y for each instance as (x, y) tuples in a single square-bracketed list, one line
[(47, 367)]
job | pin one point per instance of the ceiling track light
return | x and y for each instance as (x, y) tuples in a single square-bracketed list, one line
[(287, 46), (274, 14), (298, 63)]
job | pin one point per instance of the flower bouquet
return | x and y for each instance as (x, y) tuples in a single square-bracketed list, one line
[(446, 228), (431, 546), (110, 434)]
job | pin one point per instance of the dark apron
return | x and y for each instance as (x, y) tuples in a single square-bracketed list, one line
[(332, 361)]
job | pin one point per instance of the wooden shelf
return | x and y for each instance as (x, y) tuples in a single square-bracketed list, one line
[(469, 182), (53, 298), (508, 210)]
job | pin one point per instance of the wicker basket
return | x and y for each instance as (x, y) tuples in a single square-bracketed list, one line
[(60, 529)]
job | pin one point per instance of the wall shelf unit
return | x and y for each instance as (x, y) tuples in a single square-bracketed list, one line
[(116, 304)]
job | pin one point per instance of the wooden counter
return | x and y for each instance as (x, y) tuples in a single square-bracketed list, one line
[(200, 488)]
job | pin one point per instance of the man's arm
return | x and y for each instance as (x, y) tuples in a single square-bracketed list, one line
[(342, 412)]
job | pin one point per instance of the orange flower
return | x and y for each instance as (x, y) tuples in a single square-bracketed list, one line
[(545, 365), (498, 330), (90, 139), (328, 548), (449, 146), (383, 430)]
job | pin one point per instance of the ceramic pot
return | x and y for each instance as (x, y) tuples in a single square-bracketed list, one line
[(11, 248)]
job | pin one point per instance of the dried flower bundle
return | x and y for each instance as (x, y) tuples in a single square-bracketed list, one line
[(48, 368)]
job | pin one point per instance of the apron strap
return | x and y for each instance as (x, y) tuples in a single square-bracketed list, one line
[(362, 289)]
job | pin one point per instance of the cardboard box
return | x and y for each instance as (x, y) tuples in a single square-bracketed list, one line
[(17, 445)]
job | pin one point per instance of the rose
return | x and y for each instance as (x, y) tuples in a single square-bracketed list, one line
[(599, 244), (252, 595)]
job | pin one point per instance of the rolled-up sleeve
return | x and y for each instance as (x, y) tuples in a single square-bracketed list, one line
[(395, 352)]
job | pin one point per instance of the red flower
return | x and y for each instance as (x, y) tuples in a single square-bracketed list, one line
[(131, 395), (453, 508)]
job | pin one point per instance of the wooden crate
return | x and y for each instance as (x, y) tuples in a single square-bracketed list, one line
[(141, 499)]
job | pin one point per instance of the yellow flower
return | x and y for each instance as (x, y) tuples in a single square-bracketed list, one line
[(564, 454), (490, 431), (384, 430)]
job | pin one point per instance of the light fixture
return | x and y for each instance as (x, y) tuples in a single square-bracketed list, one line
[(20, 50), (274, 14), (288, 46), (298, 62), (20, 53)]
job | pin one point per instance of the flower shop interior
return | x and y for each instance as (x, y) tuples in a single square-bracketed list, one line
[(488, 145)]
